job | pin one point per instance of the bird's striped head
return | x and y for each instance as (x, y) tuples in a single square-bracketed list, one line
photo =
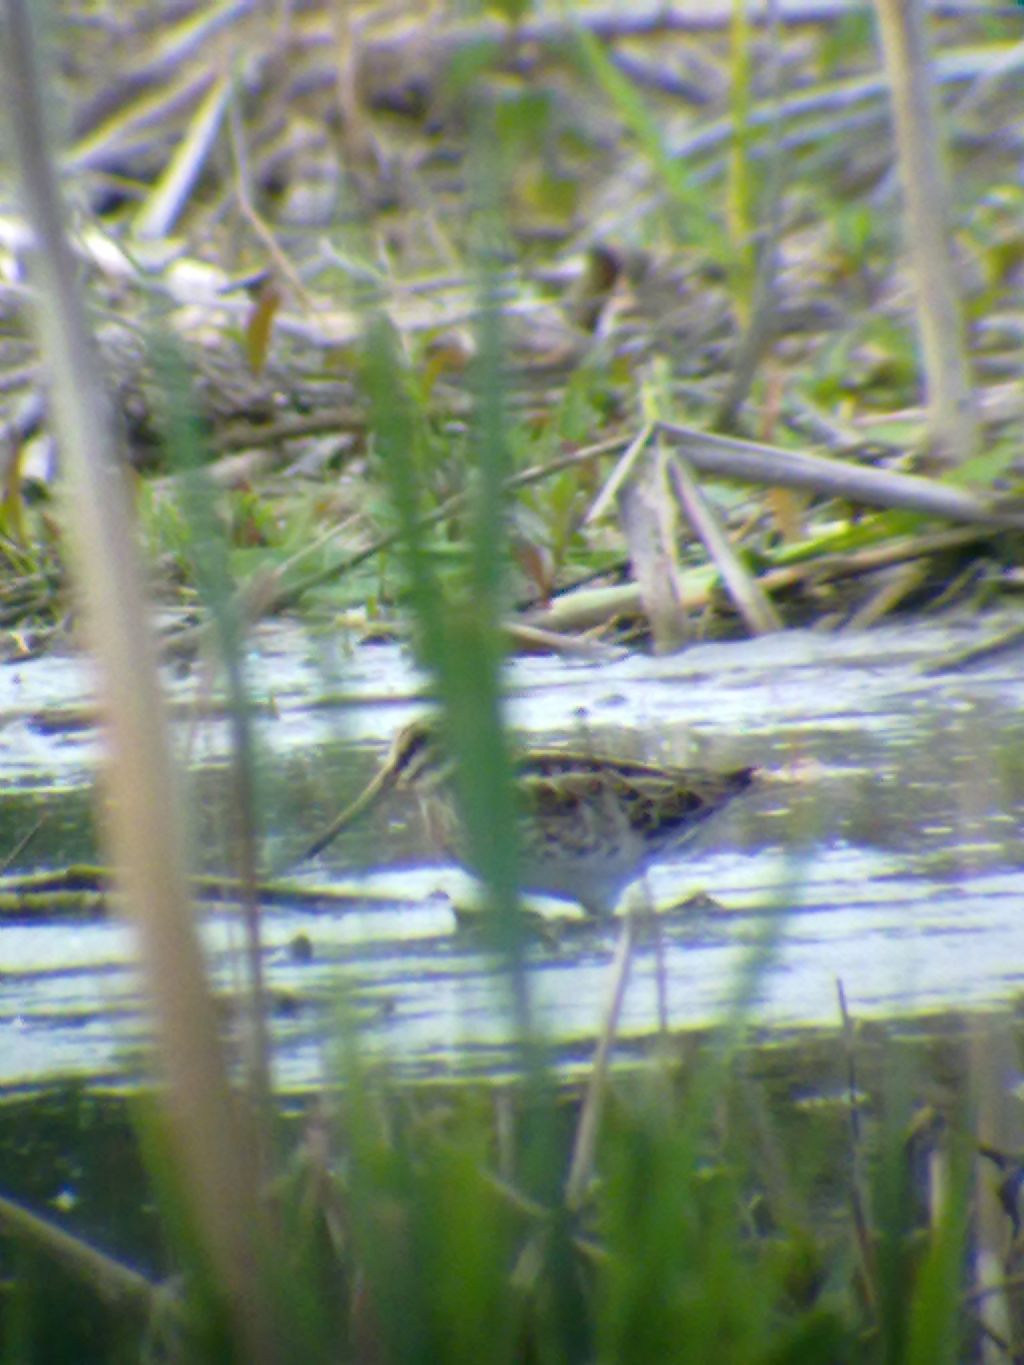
[(416, 753)]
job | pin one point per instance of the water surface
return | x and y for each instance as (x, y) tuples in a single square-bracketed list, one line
[(883, 849)]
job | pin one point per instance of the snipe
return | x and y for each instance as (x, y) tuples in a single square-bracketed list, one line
[(591, 824)]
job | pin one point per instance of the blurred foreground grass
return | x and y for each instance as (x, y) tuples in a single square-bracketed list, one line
[(657, 1216)]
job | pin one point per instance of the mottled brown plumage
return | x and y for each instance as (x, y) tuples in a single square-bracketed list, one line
[(591, 824)]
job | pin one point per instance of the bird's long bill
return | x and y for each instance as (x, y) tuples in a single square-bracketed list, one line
[(372, 792)]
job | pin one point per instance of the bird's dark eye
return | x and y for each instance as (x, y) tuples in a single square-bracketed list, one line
[(417, 745)]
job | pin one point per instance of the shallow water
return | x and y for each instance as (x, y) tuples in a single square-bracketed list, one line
[(882, 849)]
